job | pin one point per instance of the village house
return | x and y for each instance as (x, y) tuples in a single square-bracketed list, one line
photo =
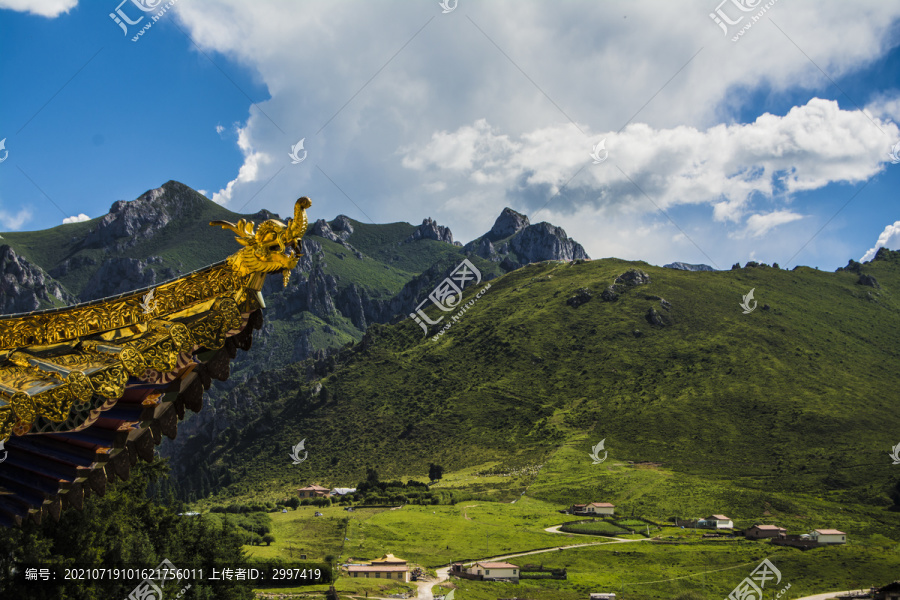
[(386, 567), (594, 508), (716, 522), (495, 570), (764, 531), (314, 491), (828, 536)]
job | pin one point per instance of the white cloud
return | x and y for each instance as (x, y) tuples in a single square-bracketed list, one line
[(12, 222), (76, 219), (889, 238), (44, 8), (760, 224), (249, 170), (411, 112), (219, 129), (725, 166)]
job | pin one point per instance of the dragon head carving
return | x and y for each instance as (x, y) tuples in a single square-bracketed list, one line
[(274, 246)]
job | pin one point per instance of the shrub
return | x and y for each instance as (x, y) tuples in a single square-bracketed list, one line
[(268, 539)]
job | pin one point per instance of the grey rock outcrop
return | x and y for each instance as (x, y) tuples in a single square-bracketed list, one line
[(633, 277), (430, 230), (545, 242), (321, 228), (486, 250), (119, 275), (342, 226), (72, 264), (610, 294), (688, 267), (24, 286), (324, 229), (655, 318), (868, 280), (512, 237), (582, 296), (628, 279)]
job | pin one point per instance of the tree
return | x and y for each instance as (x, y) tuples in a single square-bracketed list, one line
[(371, 477), (268, 539), (95, 534), (435, 472)]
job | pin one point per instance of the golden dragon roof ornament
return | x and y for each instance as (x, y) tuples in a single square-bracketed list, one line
[(61, 368), (273, 247)]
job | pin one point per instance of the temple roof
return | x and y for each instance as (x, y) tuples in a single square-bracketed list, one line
[(88, 389)]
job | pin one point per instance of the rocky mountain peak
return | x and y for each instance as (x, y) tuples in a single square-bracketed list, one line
[(342, 227), (523, 243), (508, 223), (129, 222)]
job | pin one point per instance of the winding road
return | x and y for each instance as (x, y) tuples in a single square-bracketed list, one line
[(443, 573)]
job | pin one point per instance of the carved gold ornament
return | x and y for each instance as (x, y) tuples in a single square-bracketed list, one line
[(274, 246), (55, 360)]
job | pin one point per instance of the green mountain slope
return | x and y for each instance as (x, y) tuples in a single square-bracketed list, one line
[(796, 399)]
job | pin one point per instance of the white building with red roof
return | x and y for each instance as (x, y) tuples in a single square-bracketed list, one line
[(495, 570), (600, 508), (828, 536)]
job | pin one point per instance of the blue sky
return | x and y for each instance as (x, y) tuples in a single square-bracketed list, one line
[(774, 147)]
